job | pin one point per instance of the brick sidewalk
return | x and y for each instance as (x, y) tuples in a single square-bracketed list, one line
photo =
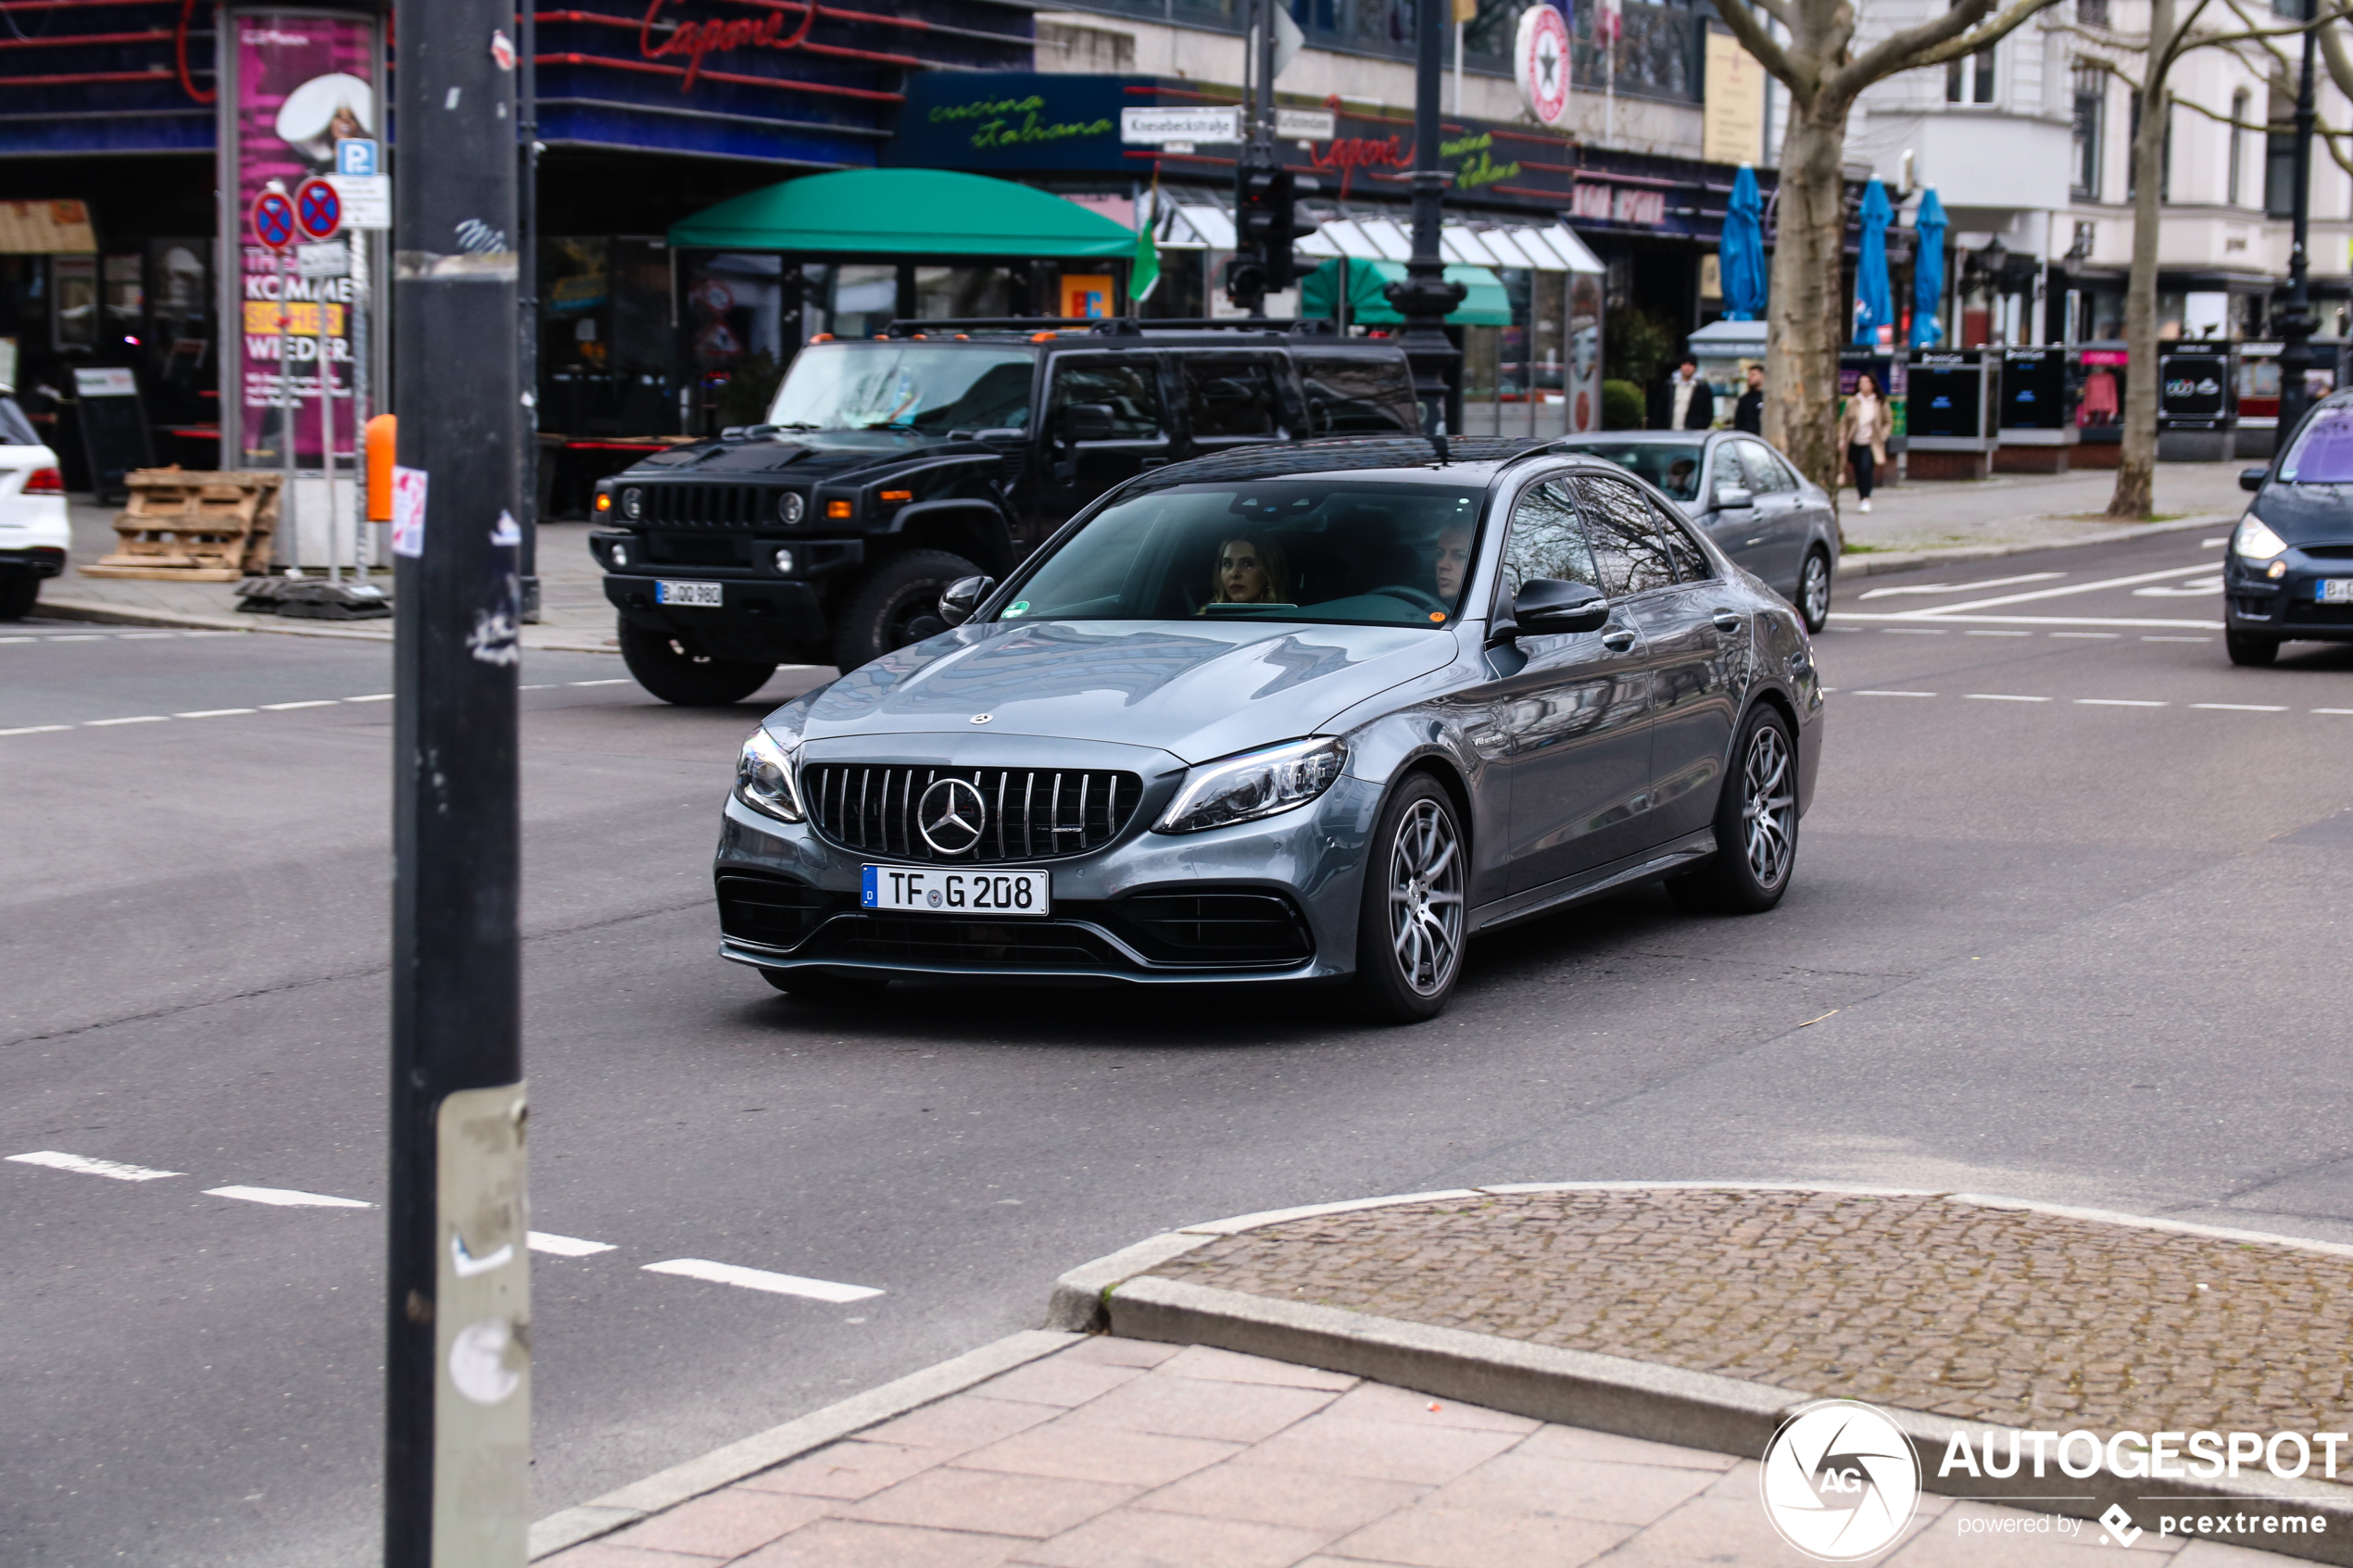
[(1921, 1302), (1114, 1453)]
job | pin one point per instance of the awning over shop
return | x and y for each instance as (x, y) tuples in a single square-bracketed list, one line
[(905, 212), (1545, 247), (1486, 304)]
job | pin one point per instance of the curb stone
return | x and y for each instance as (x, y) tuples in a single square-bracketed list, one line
[(1117, 1295), (1873, 563), (764, 1451), (379, 631)]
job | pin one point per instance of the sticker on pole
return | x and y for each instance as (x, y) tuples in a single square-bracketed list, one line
[(273, 220), (1540, 60), (317, 209), (407, 511)]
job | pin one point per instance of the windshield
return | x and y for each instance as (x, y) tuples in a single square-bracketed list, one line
[(1673, 467), (927, 387), (2323, 450), (1388, 554)]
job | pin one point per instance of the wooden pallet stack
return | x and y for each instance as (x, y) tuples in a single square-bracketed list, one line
[(190, 526)]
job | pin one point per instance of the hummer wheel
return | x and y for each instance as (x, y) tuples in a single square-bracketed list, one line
[(895, 602), (664, 667)]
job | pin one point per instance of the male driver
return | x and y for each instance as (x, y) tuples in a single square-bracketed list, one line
[(1453, 560), (1683, 401), (1748, 414)]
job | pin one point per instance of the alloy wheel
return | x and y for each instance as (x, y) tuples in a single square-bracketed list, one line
[(1814, 594), (1426, 897), (1769, 805)]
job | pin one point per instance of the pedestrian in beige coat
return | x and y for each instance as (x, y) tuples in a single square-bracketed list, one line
[(1862, 435)]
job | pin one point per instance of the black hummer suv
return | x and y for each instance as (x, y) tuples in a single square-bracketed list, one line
[(890, 468)]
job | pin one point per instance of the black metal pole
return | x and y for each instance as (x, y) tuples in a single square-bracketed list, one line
[(1425, 299), (456, 1437), (527, 302), (2296, 321)]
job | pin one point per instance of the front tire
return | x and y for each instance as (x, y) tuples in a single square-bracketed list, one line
[(1814, 590), (1756, 826), (1411, 922), (2246, 648), (894, 604), (18, 592), (663, 667)]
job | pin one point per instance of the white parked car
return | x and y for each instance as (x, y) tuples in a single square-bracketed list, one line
[(34, 534)]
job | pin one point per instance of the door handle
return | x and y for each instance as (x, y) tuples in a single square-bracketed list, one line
[(1618, 642), (1728, 621)]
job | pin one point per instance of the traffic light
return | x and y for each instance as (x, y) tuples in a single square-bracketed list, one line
[(1265, 223)]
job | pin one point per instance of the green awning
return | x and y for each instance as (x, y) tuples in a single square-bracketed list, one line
[(905, 212), (1485, 305)]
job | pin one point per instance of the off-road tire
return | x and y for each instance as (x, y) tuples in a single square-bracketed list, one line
[(1416, 822), (663, 667), (18, 592), (1750, 870), (2246, 648), (893, 603)]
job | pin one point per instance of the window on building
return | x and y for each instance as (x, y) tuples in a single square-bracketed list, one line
[(2092, 13), (2131, 142), (1970, 78), (2279, 158), (2091, 103), (2238, 115), (2165, 156)]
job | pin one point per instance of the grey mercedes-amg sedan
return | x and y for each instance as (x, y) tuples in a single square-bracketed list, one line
[(1319, 712)]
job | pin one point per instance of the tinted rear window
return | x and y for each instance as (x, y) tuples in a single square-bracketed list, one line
[(1671, 465), (1357, 393)]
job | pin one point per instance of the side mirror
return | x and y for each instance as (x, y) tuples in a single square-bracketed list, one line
[(1732, 498), (1088, 422), (963, 596), (2252, 479), (1546, 605)]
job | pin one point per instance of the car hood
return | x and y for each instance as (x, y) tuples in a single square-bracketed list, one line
[(1194, 689), (2308, 514), (816, 456)]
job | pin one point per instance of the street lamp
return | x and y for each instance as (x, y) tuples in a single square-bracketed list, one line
[(2295, 323), (1426, 298)]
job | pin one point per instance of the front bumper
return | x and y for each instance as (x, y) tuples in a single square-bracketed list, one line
[(2288, 608), (1286, 888)]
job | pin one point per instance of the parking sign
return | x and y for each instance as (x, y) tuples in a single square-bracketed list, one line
[(355, 155)]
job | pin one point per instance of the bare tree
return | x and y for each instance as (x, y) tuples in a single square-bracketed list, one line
[(1825, 73)]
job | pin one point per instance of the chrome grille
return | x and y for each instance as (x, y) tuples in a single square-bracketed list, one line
[(1034, 813)]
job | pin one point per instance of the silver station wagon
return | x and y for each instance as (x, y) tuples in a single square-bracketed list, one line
[(1318, 712)]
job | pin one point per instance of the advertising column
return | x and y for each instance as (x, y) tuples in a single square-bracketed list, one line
[(296, 84)]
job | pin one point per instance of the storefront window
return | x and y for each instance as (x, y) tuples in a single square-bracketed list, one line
[(1658, 52), (73, 301), (948, 293)]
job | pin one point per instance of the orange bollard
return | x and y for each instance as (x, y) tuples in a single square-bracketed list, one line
[(381, 447)]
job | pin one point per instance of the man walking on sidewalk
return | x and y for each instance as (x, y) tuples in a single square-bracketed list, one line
[(1748, 414), (1683, 401)]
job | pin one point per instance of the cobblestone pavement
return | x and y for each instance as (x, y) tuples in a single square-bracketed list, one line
[(1114, 1453), (1924, 1303)]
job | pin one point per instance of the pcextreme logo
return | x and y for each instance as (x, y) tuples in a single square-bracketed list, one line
[(1840, 1481)]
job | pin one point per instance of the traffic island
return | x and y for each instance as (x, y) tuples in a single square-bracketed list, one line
[(2169, 1371)]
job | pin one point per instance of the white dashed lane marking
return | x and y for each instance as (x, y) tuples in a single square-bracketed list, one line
[(285, 707), (567, 1246), (212, 712), (2001, 696), (2094, 701), (761, 1279), (2118, 702), (2239, 707), (265, 707), (139, 719), (286, 1197), (82, 1165)]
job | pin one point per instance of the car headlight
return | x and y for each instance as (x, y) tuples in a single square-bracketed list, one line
[(1256, 784), (2257, 542), (788, 508), (633, 503), (764, 779)]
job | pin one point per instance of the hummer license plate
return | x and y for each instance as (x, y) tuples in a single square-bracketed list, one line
[(704, 594)]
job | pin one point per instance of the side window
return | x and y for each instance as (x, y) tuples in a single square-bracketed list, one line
[(1766, 476), (1128, 384), (1228, 395), (1357, 393), (1691, 562), (1626, 546), (1547, 541)]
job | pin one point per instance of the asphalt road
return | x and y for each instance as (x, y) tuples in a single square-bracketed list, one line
[(2068, 923)]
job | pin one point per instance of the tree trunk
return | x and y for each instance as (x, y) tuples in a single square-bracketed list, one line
[(2135, 495), (1804, 322)]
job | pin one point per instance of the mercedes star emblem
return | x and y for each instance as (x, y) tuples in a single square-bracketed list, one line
[(950, 816)]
